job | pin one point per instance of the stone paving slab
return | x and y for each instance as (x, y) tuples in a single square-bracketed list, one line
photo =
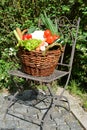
[(30, 119), (76, 109)]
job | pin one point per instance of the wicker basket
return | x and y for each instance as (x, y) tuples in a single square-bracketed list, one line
[(36, 64)]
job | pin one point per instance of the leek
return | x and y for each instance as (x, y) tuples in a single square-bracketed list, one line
[(53, 27), (16, 35)]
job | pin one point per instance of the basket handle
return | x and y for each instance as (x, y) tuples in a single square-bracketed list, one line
[(53, 45)]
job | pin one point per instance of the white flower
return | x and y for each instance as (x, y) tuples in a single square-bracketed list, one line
[(11, 49)]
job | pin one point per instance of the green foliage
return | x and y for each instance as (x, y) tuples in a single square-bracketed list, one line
[(6, 63), (85, 105), (79, 71), (23, 14), (75, 90)]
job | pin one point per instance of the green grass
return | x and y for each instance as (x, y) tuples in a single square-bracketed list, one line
[(43, 87), (75, 90)]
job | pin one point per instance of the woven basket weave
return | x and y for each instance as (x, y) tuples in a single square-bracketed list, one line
[(36, 64)]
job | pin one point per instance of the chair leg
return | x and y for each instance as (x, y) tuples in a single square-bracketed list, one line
[(58, 99), (12, 101)]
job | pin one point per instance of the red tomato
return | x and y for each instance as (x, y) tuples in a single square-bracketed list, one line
[(49, 39), (24, 37), (47, 33), (56, 37), (27, 36)]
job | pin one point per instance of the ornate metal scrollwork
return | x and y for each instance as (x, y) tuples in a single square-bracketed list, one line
[(67, 28)]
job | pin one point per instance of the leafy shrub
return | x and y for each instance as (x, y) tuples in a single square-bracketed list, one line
[(6, 64), (79, 71)]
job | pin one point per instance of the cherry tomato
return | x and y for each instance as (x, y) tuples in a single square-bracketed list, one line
[(49, 39), (47, 33), (26, 36)]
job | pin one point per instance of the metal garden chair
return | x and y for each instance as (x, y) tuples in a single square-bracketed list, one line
[(68, 30)]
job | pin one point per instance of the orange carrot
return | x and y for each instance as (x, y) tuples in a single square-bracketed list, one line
[(24, 31)]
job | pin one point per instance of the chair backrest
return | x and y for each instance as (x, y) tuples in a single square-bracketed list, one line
[(69, 31)]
